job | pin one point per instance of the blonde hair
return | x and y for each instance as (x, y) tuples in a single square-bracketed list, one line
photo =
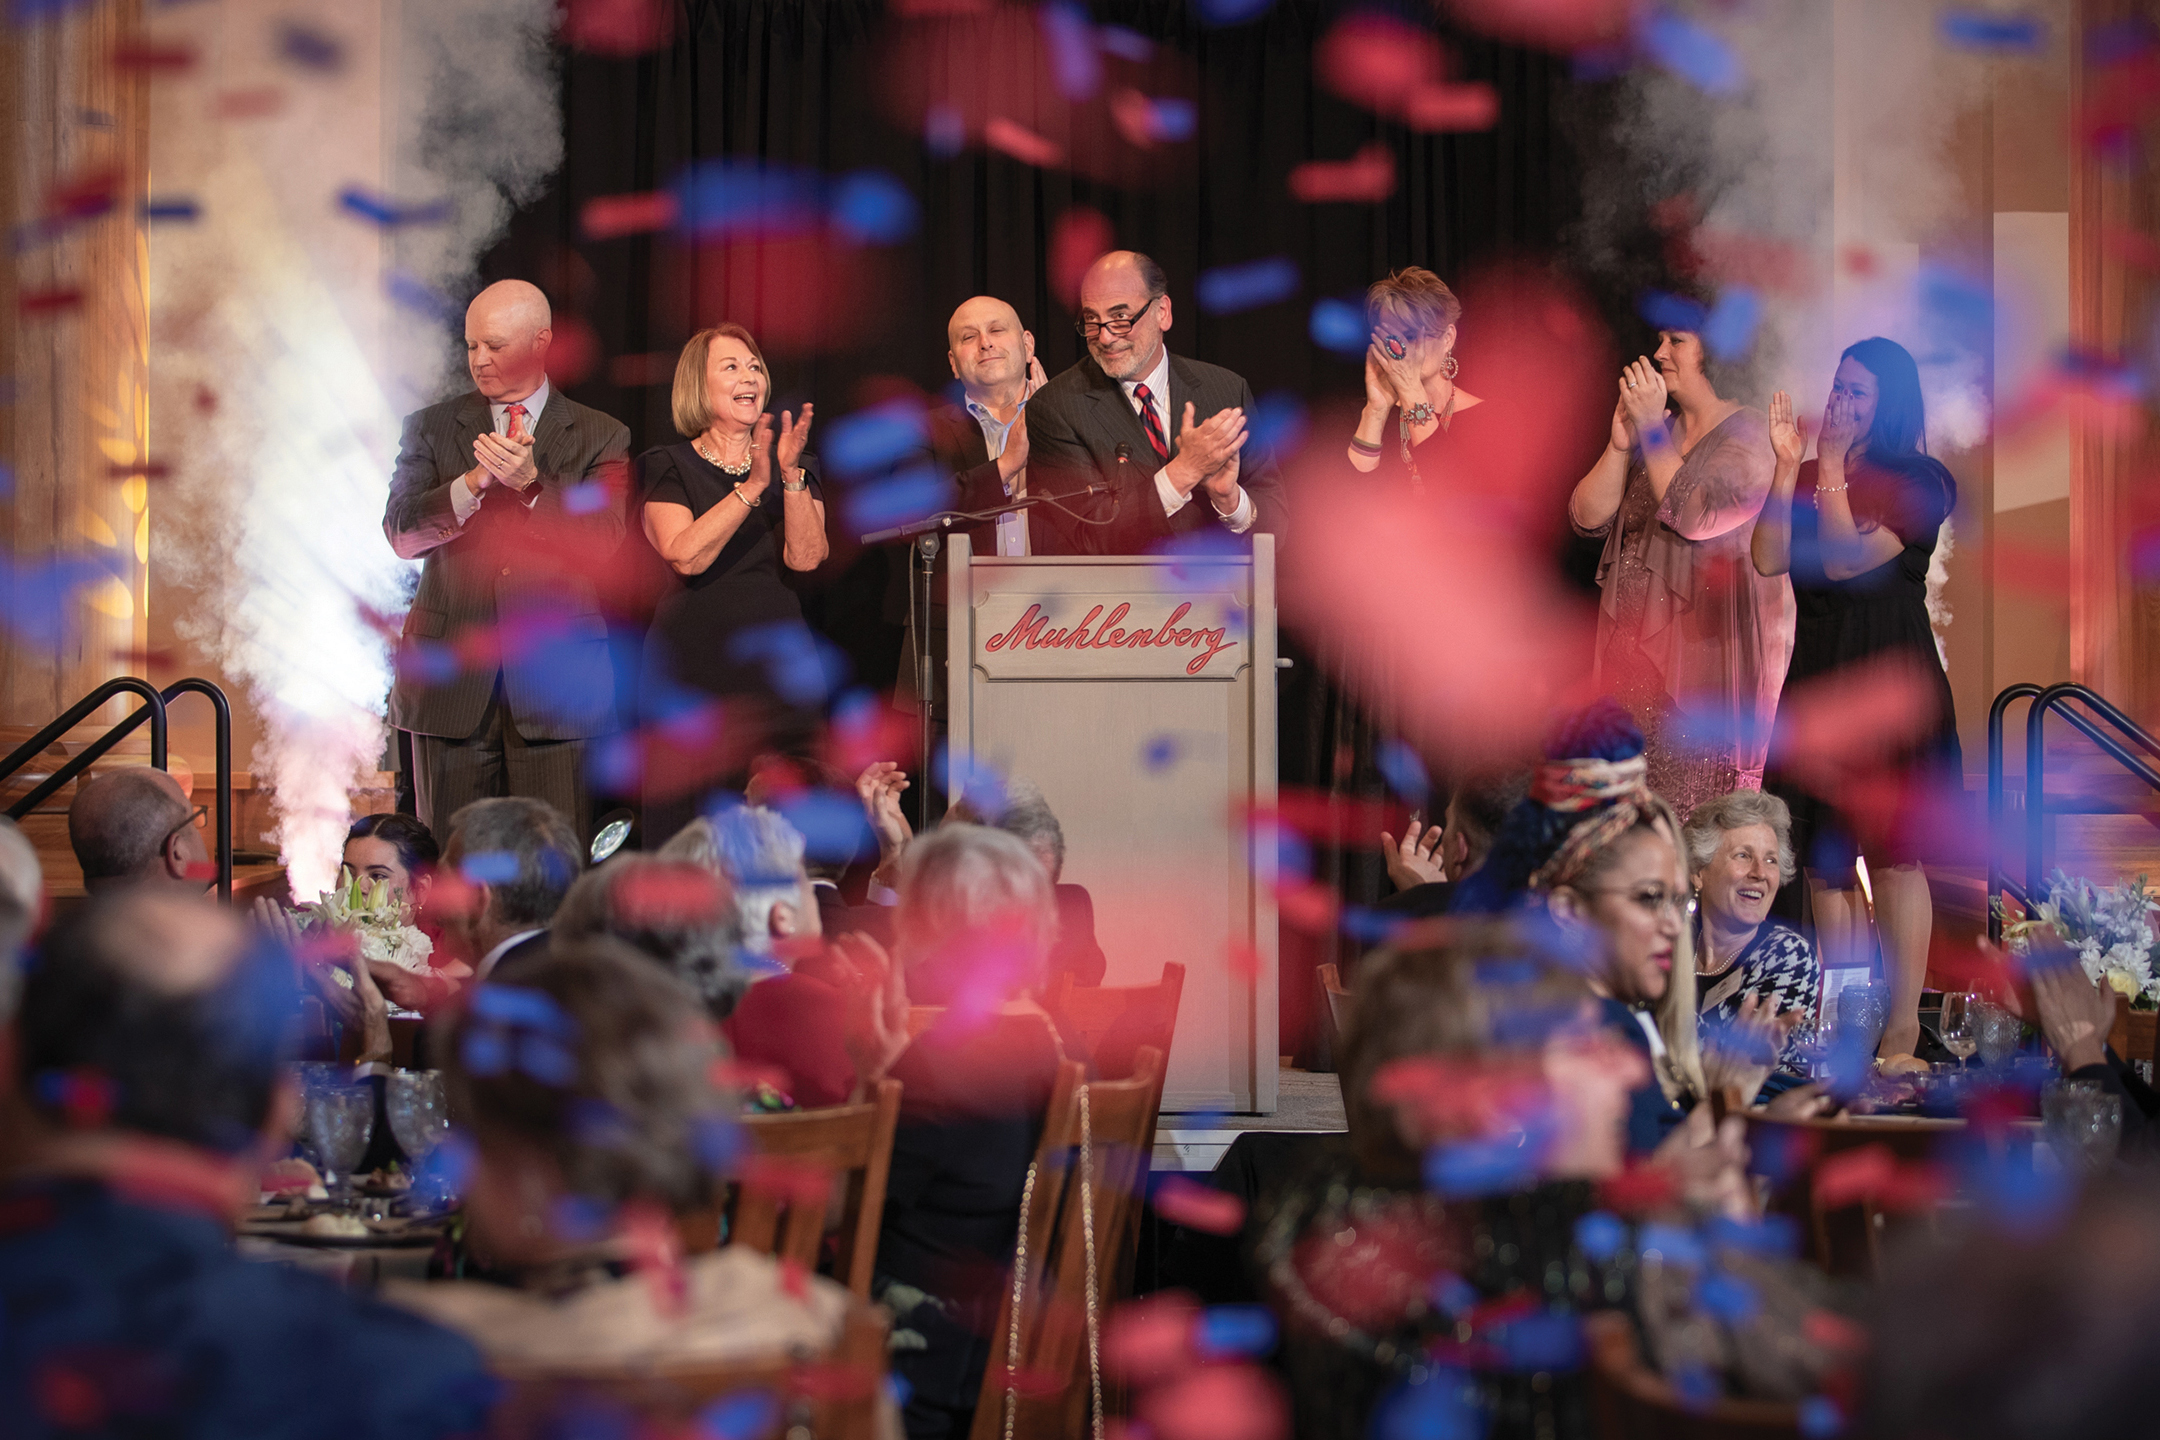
[(1415, 297), (691, 406)]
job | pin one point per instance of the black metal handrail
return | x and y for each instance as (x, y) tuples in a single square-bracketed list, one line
[(153, 709), (1997, 882), (2057, 699)]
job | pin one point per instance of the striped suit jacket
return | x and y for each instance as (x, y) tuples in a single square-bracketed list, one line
[(512, 594), (1077, 421)]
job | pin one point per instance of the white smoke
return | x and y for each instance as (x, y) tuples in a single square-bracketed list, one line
[(279, 366)]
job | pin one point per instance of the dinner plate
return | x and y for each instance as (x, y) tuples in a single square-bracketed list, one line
[(394, 1235)]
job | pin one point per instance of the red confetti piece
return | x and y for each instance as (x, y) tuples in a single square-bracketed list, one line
[(1243, 961), (792, 1182), (148, 469), (48, 302), (573, 353), (145, 55), (670, 897), (1198, 1207), (68, 1398), (1443, 107), (1552, 24), (250, 104), (1858, 261), (1367, 176), (606, 217), (2131, 246), (617, 27), (794, 1279), (1308, 906), (1874, 1173), (833, 1384), (1638, 1190), (93, 192), (1218, 1402), (1023, 144), (1080, 237)]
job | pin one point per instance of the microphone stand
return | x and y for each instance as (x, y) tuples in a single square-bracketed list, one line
[(928, 534)]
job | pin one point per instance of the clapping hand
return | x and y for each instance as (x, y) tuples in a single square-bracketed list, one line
[(1642, 395), (1416, 860), (794, 434), (1739, 1056), (2075, 1013), (1785, 436), (507, 459), (879, 787), (1707, 1161), (1204, 448)]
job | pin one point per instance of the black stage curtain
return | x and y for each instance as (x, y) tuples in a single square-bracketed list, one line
[(795, 82)]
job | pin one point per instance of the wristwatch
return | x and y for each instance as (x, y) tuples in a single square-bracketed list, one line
[(795, 486)]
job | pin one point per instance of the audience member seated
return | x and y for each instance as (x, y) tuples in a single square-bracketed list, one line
[(775, 778), (2075, 1013), (147, 1052), (1020, 811), (583, 1164), (396, 849), (1487, 1103), (1426, 867), (1596, 850), (973, 934), (1739, 851), (672, 911), (515, 858), (135, 827)]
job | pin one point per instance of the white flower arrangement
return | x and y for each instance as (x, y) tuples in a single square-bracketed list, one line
[(377, 916), (2109, 929)]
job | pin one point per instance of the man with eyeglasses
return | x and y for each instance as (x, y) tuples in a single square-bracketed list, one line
[(134, 827), (1181, 425)]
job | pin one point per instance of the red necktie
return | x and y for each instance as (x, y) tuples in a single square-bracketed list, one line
[(515, 414), (1154, 426)]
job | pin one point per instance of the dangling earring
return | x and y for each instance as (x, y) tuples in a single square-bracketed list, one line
[(1449, 366)]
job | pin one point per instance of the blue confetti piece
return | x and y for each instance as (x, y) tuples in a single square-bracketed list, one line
[(1071, 42), (1820, 1418), (1662, 311), (1444, 1406), (490, 867), (1729, 328), (1125, 44), (1469, 1169), (310, 48), (1404, 771), (1175, 120), (1277, 423), (382, 210), (896, 1386), (417, 295), (1593, 63), (1774, 1236), (614, 765), (1160, 752), (1673, 1244), (1727, 1297), (901, 500), (1541, 1342), (546, 1061), (587, 497), (1229, 289), (719, 198), (596, 1123), (580, 1219), (1339, 326), (449, 1168), (1699, 1388), (718, 1143), (876, 439), (944, 131), (1226, 1330), (38, 600), (516, 1006), (1290, 852), (832, 824), (1452, 1295), (1231, 12), (744, 1415), (1600, 1234), (1950, 298), (7, 482), (486, 1052), (872, 207), (1993, 33), (1368, 925), (802, 667), (979, 780), (1693, 53), (175, 209)]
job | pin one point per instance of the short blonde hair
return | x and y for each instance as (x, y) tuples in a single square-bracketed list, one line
[(692, 407), (1415, 297), (1706, 828)]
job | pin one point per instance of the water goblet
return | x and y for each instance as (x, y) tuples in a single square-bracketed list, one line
[(2083, 1124), (419, 1113), (341, 1118)]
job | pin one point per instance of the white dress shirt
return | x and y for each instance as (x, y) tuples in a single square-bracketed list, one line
[(462, 500), (1012, 526), (1157, 381)]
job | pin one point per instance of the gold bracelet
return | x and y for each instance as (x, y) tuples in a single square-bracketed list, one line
[(737, 493)]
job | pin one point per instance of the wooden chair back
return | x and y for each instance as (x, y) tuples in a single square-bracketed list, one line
[(1055, 1393), (1630, 1401), (803, 1158), (921, 1018), (1335, 1007), (834, 1395), (1843, 1238), (1115, 1022)]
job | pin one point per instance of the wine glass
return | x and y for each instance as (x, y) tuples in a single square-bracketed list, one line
[(341, 1118), (419, 1113), (2083, 1124), (1959, 1029)]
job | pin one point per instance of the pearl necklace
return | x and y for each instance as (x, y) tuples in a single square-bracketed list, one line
[(717, 463)]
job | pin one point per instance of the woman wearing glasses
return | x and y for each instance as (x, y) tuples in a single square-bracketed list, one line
[(1410, 372)]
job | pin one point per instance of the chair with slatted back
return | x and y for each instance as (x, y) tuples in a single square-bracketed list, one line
[(1051, 1268), (1337, 1008), (1630, 1401), (1844, 1239), (834, 1395), (780, 1203), (1114, 1022)]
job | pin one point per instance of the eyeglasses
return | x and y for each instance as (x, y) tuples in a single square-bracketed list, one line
[(197, 818), (1654, 900), (1117, 326)]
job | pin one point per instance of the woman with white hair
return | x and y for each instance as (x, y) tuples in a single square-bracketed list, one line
[(1739, 851)]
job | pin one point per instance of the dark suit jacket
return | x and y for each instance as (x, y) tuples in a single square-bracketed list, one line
[(521, 568), (1077, 421)]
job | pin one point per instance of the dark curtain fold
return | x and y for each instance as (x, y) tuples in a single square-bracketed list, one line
[(795, 82)]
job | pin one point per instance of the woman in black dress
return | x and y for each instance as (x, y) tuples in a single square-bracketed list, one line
[(733, 631), (1856, 528)]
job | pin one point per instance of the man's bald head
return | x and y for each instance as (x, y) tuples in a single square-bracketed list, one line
[(130, 827), (988, 349), (1120, 286), (507, 330)]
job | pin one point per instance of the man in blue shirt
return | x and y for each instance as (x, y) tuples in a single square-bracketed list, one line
[(148, 1091)]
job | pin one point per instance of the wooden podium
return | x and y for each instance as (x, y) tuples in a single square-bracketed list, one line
[(1139, 693)]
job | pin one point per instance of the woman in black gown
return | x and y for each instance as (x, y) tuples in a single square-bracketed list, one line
[(733, 631), (1856, 527)]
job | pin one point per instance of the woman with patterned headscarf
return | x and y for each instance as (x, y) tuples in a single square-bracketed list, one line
[(1601, 851)]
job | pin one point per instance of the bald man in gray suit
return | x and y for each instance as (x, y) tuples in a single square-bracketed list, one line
[(512, 496)]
